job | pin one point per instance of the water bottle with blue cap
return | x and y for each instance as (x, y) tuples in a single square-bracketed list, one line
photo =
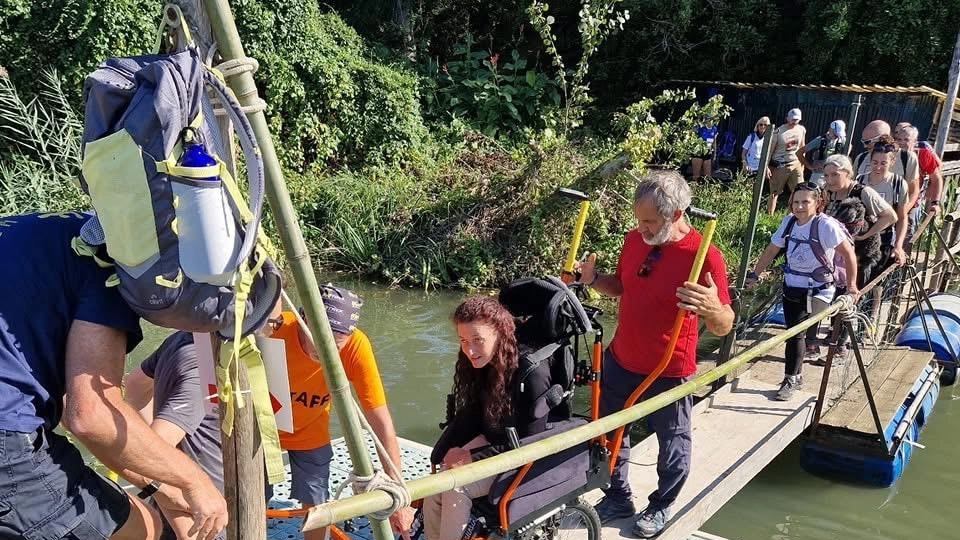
[(204, 217)]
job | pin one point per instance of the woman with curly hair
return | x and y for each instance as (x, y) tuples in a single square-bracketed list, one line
[(486, 402)]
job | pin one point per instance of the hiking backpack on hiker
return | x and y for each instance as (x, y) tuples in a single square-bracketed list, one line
[(175, 225), (823, 273)]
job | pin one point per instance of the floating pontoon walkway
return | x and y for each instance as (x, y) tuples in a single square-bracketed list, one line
[(739, 429)]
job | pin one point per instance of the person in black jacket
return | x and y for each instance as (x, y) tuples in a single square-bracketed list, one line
[(487, 400)]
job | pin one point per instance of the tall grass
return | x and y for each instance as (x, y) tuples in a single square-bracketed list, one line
[(39, 149)]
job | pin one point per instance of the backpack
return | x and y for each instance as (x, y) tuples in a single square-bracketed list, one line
[(549, 320), (175, 225), (727, 148), (823, 273)]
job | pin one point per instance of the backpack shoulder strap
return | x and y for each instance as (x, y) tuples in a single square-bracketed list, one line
[(857, 191), (904, 159), (858, 161), (816, 246)]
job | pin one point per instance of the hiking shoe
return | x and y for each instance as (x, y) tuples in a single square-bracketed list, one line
[(611, 508), (788, 387), (651, 523), (812, 354)]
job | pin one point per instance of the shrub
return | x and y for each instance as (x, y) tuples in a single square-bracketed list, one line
[(330, 100), (41, 163)]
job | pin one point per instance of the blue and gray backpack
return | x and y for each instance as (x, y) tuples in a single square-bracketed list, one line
[(184, 243)]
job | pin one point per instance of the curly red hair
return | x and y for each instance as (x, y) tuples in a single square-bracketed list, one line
[(470, 385)]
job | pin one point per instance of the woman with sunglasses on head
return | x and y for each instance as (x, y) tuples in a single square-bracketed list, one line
[(811, 241), (894, 190), (487, 400)]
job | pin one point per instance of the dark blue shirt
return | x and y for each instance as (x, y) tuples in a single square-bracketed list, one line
[(44, 287)]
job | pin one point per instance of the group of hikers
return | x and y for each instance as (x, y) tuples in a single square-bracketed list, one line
[(849, 222), (64, 336)]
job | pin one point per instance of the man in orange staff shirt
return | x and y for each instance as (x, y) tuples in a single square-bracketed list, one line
[(308, 447)]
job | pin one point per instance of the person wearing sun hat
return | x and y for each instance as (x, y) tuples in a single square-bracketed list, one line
[(308, 447), (786, 167)]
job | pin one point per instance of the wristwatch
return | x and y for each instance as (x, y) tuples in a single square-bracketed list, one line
[(149, 490)]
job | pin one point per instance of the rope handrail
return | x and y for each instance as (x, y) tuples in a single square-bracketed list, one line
[(379, 500)]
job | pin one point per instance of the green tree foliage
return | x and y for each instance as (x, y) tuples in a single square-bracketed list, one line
[(879, 41), (71, 36), (330, 98)]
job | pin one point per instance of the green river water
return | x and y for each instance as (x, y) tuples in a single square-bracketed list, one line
[(415, 345)]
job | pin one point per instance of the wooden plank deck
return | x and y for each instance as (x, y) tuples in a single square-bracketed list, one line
[(900, 367), (740, 429), (736, 433)]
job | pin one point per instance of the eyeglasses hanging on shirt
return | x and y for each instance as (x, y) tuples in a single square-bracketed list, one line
[(651, 259)]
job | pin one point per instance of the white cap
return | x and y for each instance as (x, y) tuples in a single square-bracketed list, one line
[(794, 114)]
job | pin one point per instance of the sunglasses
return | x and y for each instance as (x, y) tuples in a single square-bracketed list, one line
[(647, 266), (808, 186), (865, 142)]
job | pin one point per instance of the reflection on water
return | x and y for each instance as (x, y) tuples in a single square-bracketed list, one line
[(416, 346)]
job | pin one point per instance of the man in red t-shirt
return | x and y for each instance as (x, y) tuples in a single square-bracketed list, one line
[(651, 282), (931, 175)]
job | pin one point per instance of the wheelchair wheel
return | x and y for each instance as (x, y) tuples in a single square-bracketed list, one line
[(576, 520)]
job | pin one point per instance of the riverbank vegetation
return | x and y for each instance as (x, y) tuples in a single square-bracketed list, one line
[(423, 144)]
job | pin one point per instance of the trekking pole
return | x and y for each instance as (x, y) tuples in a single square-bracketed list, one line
[(567, 275), (694, 277)]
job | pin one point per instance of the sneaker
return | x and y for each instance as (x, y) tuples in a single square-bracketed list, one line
[(611, 508), (788, 387), (651, 523), (812, 354)]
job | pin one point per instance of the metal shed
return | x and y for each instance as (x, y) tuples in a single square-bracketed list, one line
[(821, 104)]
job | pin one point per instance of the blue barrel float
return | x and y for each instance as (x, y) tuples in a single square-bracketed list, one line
[(944, 347), (858, 464)]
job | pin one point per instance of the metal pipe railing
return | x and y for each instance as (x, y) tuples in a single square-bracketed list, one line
[(378, 500)]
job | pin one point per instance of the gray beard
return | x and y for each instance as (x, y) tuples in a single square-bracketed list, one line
[(661, 237)]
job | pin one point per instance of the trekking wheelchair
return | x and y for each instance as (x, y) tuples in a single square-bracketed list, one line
[(542, 500)]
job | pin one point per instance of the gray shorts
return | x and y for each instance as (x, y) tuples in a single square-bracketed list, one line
[(47, 491), (310, 475)]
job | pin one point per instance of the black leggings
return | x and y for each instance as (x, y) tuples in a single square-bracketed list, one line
[(795, 312)]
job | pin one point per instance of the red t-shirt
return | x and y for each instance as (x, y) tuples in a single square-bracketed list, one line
[(648, 306), (928, 160)]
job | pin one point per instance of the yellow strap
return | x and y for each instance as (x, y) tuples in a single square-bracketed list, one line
[(245, 350), (170, 166), (112, 281), (234, 190), (170, 284), (84, 249)]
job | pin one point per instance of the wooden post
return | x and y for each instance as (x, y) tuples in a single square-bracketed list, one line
[(946, 111), (852, 124), (243, 470), (243, 477)]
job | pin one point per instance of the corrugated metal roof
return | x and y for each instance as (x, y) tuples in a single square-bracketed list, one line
[(855, 88)]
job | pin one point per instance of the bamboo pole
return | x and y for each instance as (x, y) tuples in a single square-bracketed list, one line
[(243, 85), (946, 111), (334, 511)]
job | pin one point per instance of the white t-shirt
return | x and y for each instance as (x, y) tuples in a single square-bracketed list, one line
[(753, 145), (800, 255)]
